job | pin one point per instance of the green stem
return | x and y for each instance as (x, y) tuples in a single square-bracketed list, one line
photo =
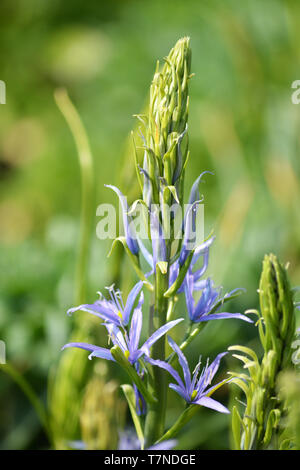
[(155, 420), (87, 187), (184, 418)]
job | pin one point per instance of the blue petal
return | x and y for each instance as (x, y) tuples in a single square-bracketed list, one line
[(224, 315), (158, 241), (95, 350), (135, 330), (211, 403), (174, 271), (130, 301), (85, 346), (205, 304), (214, 366), (183, 362), (148, 257), (194, 193), (202, 249), (102, 353), (199, 272), (188, 228), (181, 391), (199, 285), (158, 334), (117, 336), (232, 292), (164, 365), (188, 291), (99, 310)]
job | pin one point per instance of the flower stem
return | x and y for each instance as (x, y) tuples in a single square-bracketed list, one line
[(155, 420), (87, 187), (184, 418)]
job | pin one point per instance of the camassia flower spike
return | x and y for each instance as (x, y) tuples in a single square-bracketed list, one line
[(113, 310), (194, 389)]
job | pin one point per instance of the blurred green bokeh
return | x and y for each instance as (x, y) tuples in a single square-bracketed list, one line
[(243, 127)]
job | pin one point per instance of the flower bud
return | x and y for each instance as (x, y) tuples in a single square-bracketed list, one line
[(165, 140)]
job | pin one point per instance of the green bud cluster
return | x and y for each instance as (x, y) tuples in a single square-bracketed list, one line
[(165, 125), (260, 425), (277, 312)]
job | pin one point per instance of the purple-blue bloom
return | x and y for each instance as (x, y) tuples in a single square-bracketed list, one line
[(113, 310), (128, 342), (201, 250), (189, 219), (209, 300), (194, 390)]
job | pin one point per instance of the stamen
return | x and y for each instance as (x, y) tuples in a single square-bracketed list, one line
[(119, 296), (113, 296), (198, 364)]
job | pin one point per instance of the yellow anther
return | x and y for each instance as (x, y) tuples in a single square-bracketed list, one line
[(126, 354), (120, 314), (194, 394)]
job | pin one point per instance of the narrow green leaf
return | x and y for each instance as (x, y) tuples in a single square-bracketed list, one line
[(236, 428), (130, 397), (182, 272)]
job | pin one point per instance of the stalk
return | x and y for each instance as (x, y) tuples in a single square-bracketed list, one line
[(165, 156), (87, 188), (65, 385), (155, 420)]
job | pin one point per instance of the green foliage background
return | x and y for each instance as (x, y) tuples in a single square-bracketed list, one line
[(243, 126)]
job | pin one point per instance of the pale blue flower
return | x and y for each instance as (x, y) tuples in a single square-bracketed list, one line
[(112, 310), (127, 342), (193, 389), (210, 300)]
